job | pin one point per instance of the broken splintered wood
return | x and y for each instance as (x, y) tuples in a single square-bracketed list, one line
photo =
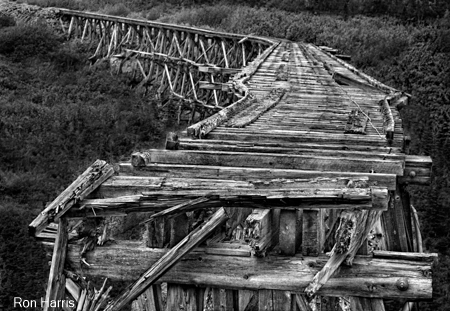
[(352, 233), (357, 122), (85, 184), (177, 209), (347, 198), (257, 109), (168, 260), (56, 282), (388, 119), (200, 129)]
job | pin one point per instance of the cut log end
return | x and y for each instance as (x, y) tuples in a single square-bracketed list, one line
[(137, 159)]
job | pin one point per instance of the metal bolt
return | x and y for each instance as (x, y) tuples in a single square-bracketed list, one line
[(402, 284)]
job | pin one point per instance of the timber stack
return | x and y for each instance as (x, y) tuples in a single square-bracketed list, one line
[(288, 190)]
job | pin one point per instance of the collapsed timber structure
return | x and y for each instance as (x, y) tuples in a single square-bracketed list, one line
[(286, 192)]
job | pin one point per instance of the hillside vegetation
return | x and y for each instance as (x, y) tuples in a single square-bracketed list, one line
[(57, 114)]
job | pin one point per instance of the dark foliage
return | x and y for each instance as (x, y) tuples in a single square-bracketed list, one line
[(23, 264)]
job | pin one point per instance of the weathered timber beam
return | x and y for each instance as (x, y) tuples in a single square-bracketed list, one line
[(168, 260), (259, 231), (131, 185), (157, 25), (388, 119), (367, 277), (347, 198), (417, 170), (312, 149), (248, 173), (56, 280), (203, 127), (267, 160), (206, 85), (257, 109), (85, 184), (301, 136), (426, 257), (351, 234)]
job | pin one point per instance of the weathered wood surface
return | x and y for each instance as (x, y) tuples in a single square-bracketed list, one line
[(169, 259), (283, 161), (85, 184), (352, 232), (127, 260), (182, 201), (417, 170), (247, 173)]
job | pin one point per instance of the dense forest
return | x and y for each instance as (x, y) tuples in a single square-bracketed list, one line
[(58, 114)]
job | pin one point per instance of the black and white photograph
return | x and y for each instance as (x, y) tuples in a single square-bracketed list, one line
[(225, 155)]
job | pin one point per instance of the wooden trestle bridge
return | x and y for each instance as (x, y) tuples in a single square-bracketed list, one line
[(286, 192)]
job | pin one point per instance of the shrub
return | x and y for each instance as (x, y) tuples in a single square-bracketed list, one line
[(119, 9), (23, 41), (6, 21)]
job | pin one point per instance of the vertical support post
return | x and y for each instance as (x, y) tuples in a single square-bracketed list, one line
[(313, 232), (181, 297), (223, 299), (288, 232)]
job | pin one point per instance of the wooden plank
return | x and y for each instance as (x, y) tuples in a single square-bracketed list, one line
[(288, 232), (343, 198), (167, 261), (266, 160), (305, 137), (247, 173), (292, 148), (426, 257), (133, 185), (56, 283), (127, 260), (84, 185)]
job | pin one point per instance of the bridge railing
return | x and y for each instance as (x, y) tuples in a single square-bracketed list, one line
[(191, 66)]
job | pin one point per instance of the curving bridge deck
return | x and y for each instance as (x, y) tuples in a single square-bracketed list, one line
[(290, 153)]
